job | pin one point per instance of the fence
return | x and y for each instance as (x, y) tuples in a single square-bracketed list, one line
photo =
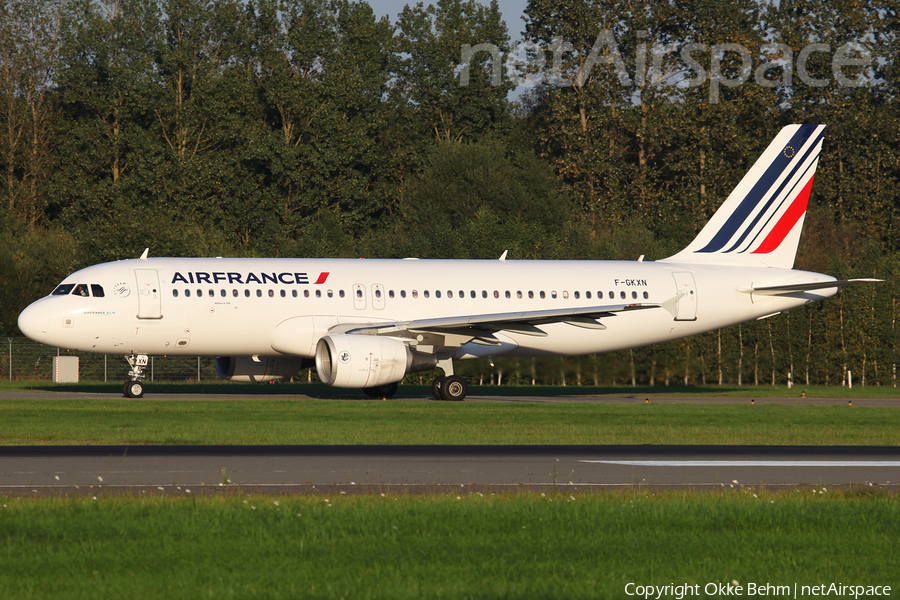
[(22, 359)]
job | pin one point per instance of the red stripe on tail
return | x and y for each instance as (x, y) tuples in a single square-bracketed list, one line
[(787, 222)]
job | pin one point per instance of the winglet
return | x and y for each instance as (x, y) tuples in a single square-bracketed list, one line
[(145, 254), (671, 304)]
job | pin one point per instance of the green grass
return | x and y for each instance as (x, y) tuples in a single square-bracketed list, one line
[(308, 421), (470, 546)]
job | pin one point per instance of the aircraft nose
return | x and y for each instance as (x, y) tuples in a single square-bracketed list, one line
[(34, 321)]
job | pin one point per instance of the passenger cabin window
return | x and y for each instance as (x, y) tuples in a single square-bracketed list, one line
[(63, 290)]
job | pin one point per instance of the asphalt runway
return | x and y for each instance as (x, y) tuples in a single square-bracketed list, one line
[(205, 470), (184, 470), (156, 396)]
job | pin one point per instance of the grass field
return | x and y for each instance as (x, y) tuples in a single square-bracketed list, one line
[(309, 421), (509, 546), (516, 545)]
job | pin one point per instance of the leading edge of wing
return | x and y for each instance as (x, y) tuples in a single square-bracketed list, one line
[(500, 321)]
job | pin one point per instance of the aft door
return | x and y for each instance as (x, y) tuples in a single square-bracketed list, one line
[(149, 297), (686, 309)]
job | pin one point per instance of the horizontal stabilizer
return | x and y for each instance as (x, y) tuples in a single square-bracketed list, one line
[(778, 290)]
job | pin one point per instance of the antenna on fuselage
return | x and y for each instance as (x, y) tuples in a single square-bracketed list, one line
[(503, 256), (145, 254)]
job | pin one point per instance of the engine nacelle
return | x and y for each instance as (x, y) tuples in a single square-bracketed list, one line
[(247, 370), (361, 361)]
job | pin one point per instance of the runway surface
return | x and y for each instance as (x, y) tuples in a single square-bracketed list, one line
[(184, 470), (156, 396)]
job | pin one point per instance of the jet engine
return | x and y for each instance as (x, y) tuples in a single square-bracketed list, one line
[(363, 361), (247, 370)]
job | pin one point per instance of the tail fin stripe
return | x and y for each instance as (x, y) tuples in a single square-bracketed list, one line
[(758, 192), (787, 222), (782, 195)]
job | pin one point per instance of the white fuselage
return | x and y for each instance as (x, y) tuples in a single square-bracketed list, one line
[(233, 307)]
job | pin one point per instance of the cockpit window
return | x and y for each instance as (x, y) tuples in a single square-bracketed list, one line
[(63, 290), (97, 290), (81, 290)]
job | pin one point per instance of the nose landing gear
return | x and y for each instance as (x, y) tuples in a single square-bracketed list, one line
[(133, 388)]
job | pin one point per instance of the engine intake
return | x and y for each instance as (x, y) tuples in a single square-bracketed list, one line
[(246, 370), (362, 361)]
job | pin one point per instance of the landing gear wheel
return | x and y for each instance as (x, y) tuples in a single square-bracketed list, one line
[(382, 391), (436, 387), (454, 388), (133, 389)]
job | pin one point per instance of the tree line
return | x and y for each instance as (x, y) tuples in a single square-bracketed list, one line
[(316, 128)]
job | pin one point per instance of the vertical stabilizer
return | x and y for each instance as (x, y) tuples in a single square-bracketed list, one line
[(760, 222)]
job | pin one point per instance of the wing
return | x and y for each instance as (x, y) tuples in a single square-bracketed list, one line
[(458, 330)]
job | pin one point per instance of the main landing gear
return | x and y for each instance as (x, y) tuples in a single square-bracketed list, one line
[(449, 386), (133, 388)]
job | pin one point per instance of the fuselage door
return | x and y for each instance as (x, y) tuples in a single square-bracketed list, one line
[(687, 305), (359, 296), (149, 296), (377, 296)]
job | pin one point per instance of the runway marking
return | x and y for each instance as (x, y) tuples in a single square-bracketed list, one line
[(749, 463)]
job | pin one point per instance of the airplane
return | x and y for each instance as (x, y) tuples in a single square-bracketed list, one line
[(367, 323)]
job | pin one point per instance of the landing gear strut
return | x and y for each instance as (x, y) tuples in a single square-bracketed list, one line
[(449, 386), (133, 388)]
